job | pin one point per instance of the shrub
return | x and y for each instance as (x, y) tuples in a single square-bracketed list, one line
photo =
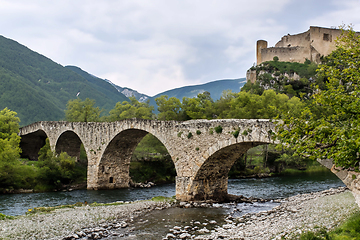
[(198, 132), (218, 129), (189, 135), (236, 133)]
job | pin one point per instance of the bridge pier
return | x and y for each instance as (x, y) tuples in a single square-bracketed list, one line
[(188, 189)]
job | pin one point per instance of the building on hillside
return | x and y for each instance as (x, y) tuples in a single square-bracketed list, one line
[(311, 45)]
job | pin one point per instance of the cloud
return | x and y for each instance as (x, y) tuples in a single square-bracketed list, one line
[(152, 46)]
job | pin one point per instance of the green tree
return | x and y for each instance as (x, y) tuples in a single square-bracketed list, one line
[(55, 170), (9, 148), (330, 126), (270, 104), (132, 109), (13, 173), (200, 107), (82, 111), (169, 108)]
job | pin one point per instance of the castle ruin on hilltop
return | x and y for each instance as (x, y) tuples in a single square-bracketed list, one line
[(312, 45)]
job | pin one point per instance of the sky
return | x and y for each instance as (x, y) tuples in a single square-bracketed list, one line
[(155, 45)]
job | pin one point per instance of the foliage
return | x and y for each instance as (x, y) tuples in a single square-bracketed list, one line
[(200, 107), (218, 129), (189, 135), (163, 199), (350, 229), (245, 105), (155, 170), (235, 133), (169, 108), (13, 173), (82, 111), (279, 76), (329, 127), (38, 88), (149, 147), (3, 217), (56, 170), (131, 109), (151, 162)]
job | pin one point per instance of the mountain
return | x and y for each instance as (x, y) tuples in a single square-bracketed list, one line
[(215, 88), (38, 89), (128, 92)]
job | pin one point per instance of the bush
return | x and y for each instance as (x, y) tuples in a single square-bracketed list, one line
[(218, 129)]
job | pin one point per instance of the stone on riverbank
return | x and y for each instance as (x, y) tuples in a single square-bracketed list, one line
[(295, 215)]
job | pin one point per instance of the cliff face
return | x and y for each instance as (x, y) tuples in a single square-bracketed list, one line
[(283, 77)]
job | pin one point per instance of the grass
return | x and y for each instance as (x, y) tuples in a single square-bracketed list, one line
[(164, 199), (313, 167), (3, 217), (350, 229), (80, 204)]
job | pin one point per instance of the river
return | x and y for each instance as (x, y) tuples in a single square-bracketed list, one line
[(267, 188)]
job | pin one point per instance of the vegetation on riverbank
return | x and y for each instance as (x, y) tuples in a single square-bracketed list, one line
[(50, 172), (350, 229)]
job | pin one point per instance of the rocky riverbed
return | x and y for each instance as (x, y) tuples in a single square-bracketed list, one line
[(293, 216)]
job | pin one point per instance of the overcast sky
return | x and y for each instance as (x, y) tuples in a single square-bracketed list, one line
[(156, 45)]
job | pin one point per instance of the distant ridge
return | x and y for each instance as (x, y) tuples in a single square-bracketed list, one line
[(215, 88), (38, 89)]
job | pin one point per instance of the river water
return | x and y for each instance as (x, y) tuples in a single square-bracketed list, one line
[(267, 188)]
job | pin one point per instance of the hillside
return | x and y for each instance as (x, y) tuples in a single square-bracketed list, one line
[(215, 88), (38, 88)]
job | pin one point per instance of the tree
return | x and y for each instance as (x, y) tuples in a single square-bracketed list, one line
[(82, 111), (132, 109), (200, 107), (55, 170), (169, 108), (9, 147), (330, 126), (13, 174)]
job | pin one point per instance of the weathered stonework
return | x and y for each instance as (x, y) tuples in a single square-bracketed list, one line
[(311, 45), (202, 159)]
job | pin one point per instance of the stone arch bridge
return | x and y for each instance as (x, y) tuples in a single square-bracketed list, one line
[(203, 151)]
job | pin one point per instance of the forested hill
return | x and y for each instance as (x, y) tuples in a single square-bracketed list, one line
[(215, 88), (38, 89)]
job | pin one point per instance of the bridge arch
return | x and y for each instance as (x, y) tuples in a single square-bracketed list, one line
[(32, 143), (113, 167), (69, 142)]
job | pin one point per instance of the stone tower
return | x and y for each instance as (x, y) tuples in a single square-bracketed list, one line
[(260, 44)]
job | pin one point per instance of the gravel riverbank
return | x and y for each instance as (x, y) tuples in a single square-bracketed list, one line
[(73, 223), (295, 215)]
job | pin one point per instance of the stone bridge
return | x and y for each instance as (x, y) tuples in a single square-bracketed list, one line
[(203, 151)]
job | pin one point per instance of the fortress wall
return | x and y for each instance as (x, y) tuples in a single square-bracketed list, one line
[(286, 54), (323, 39), (312, 44), (302, 39)]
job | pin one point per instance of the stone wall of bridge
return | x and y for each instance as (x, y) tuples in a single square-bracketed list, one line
[(203, 151)]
